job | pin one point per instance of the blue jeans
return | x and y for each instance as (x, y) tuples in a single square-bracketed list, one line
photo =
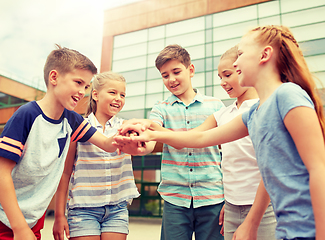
[(180, 222), (90, 221)]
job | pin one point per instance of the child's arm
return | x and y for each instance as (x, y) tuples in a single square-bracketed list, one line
[(9, 203), (60, 222), (139, 125), (248, 229), (231, 131), (103, 142), (303, 126)]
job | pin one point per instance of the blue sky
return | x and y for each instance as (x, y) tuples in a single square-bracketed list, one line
[(30, 29)]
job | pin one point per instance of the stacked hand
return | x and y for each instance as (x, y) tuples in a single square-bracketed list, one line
[(131, 136)]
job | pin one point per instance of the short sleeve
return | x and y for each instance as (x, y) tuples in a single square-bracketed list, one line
[(81, 129), (245, 117), (290, 96), (218, 114), (156, 114), (16, 130)]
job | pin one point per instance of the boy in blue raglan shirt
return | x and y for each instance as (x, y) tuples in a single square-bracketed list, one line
[(35, 142)]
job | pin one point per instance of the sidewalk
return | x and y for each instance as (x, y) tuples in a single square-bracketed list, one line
[(139, 228)]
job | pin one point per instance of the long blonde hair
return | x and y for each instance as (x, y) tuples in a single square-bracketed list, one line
[(291, 63), (98, 82)]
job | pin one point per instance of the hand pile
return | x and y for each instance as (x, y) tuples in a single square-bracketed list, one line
[(130, 137)]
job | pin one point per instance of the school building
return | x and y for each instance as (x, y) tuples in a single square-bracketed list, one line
[(134, 34)]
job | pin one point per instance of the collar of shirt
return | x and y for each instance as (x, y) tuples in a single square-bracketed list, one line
[(173, 99), (94, 122), (247, 103)]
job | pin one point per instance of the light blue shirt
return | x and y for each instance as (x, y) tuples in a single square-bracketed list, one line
[(285, 176), (189, 172)]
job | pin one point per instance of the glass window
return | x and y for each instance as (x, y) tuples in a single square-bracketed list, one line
[(208, 50), (156, 46), (134, 89), (134, 76), (209, 91), (186, 26), (208, 64), (129, 64), (275, 20), (131, 114), (132, 103), (152, 99), (196, 52), (130, 51), (151, 60), (220, 93), (153, 73), (216, 78), (309, 32), (187, 39), (208, 79), (313, 47), (233, 31), (316, 63), (130, 38), (156, 32), (208, 21), (268, 9), (304, 17), (154, 86), (208, 35), (235, 16), (199, 65), (216, 61), (290, 6), (198, 80), (220, 47)]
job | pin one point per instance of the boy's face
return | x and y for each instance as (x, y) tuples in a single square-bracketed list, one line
[(70, 88), (176, 77)]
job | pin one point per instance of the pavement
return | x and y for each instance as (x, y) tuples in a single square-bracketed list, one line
[(139, 228)]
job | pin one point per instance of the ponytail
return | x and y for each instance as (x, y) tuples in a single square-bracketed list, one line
[(291, 63)]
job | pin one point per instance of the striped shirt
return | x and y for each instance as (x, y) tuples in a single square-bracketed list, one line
[(101, 178), (39, 145), (189, 173)]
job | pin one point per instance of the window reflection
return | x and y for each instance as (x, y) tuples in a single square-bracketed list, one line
[(134, 76), (151, 99), (134, 89)]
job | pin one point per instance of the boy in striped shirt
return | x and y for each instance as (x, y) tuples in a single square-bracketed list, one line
[(191, 184)]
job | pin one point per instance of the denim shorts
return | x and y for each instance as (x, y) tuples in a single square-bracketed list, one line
[(90, 221)]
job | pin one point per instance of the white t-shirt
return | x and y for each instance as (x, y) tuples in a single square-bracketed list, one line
[(241, 175)]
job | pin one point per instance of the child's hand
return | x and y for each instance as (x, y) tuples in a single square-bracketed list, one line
[(136, 125), (59, 227), (126, 145)]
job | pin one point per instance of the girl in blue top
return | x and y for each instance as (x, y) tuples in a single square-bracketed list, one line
[(287, 130), (101, 183)]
